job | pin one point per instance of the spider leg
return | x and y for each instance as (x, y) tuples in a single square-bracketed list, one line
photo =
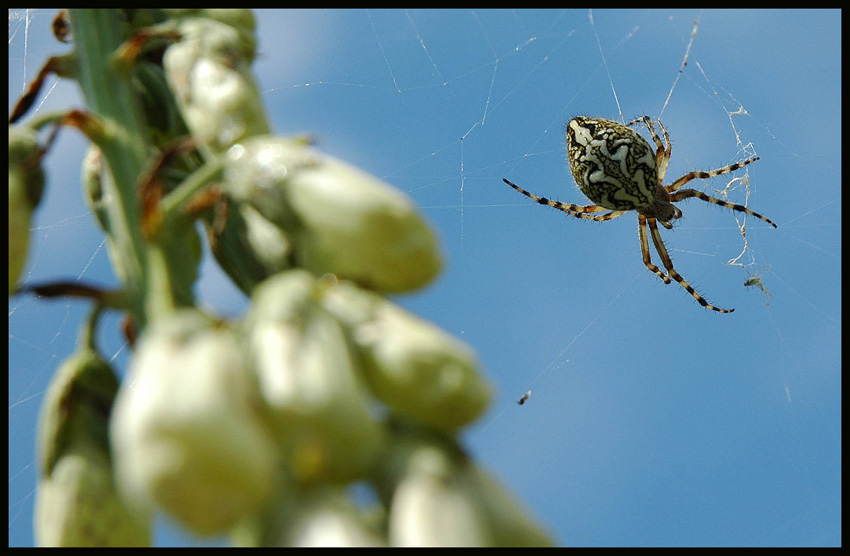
[(687, 193), (578, 211), (705, 175), (644, 250), (668, 152), (668, 264)]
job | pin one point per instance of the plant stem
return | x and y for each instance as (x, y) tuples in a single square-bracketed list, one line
[(124, 141)]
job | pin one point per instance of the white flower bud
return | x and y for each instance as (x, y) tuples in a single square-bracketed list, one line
[(342, 220), (26, 182), (76, 501), (430, 511), (431, 505), (314, 516), (331, 524), (186, 432), (314, 398), (77, 505), (209, 71), (250, 248), (417, 369)]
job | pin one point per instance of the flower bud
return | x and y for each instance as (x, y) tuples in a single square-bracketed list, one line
[(418, 370), (78, 505), (76, 501), (76, 407), (314, 399), (250, 248), (342, 220), (439, 497), (26, 182), (314, 516), (209, 71), (186, 430), (430, 503)]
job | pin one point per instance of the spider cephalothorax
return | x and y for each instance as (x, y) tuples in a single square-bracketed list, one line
[(617, 169)]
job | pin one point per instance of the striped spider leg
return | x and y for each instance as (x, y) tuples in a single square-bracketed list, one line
[(578, 211)]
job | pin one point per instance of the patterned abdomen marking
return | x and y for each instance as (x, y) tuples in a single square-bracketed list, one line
[(613, 165)]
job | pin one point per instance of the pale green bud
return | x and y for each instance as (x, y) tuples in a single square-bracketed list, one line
[(250, 248), (26, 182), (76, 407), (431, 504), (414, 367), (209, 72), (342, 220), (423, 471), (314, 516), (186, 431), (432, 511), (76, 501), (314, 399), (78, 506)]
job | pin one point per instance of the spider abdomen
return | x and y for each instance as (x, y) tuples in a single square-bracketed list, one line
[(613, 165)]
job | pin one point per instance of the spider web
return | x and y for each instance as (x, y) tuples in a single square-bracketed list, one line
[(644, 404)]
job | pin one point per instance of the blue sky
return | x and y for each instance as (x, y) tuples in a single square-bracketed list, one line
[(652, 421)]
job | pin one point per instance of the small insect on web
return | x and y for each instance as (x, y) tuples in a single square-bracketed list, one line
[(755, 281), (617, 169)]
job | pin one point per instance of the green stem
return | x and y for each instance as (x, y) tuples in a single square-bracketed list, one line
[(193, 183), (124, 143)]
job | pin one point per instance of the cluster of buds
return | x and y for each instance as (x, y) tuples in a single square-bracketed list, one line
[(219, 422), (257, 426)]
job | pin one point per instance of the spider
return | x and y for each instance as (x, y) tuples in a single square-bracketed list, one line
[(615, 167)]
